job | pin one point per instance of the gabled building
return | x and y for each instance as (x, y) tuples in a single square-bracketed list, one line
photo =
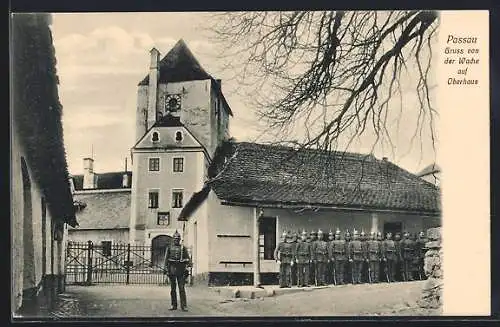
[(431, 173)]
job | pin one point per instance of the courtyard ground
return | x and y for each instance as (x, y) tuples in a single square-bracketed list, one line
[(154, 301)]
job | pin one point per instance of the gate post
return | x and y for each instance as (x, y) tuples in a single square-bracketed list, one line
[(89, 262), (128, 263)]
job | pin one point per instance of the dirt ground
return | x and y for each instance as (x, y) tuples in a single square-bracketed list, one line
[(146, 301)]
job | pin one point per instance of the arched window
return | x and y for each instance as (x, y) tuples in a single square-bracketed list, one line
[(155, 137), (178, 136)]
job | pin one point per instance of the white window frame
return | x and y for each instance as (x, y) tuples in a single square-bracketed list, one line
[(157, 190), (183, 164), (159, 165), (172, 197)]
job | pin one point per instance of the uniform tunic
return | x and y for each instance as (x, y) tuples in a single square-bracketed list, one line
[(338, 255), (284, 253), (303, 256), (389, 255), (407, 255), (176, 261), (320, 257), (356, 256), (373, 254)]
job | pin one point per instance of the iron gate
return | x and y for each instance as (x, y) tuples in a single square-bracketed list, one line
[(105, 263)]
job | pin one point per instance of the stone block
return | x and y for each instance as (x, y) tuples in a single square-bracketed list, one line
[(434, 234)]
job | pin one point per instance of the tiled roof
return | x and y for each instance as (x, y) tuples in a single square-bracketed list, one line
[(104, 210), (277, 174), (431, 169), (179, 65), (105, 181)]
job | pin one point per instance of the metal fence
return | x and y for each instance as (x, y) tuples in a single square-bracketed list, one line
[(105, 263)]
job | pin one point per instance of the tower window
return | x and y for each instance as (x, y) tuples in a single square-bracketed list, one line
[(177, 196), (178, 165), (178, 136), (154, 164), (153, 199), (155, 137)]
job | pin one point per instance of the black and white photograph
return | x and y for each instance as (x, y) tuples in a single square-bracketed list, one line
[(253, 163)]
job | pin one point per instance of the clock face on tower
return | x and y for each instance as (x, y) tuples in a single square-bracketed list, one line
[(172, 102)]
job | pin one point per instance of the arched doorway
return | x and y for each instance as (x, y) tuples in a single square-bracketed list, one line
[(158, 246), (28, 247)]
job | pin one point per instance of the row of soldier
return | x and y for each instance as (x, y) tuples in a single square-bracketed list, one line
[(314, 259)]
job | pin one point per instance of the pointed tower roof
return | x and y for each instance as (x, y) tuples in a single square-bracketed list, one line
[(178, 65)]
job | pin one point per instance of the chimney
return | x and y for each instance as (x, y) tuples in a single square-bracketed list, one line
[(89, 177), (154, 73), (125, 182)]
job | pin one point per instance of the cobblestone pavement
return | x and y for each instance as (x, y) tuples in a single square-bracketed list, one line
[(154, 301)]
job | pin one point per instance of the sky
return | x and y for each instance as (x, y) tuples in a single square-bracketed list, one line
[(101, 57)]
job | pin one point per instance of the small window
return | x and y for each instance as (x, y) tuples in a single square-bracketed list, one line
[(177, 199), (156, 137), (154, 164), (153, 199), (163, 218), (106, 248), (178, 136), (178, 165)]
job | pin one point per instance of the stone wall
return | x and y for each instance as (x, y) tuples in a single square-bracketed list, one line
[(433, 288)]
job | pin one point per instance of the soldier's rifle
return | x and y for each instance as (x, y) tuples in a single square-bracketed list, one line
[(334, 274), (369, 273)]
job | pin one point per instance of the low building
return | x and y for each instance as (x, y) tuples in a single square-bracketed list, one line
[(41, 201), (257, 191)]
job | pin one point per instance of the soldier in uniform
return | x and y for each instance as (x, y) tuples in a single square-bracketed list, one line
[(407, 248), (364, 268), (389, 257), (421, 250), (320, 257), (398, 265), (294, 267), (284, 256), (348, 265), (303, 257), (373, 258), (380, 240), (177, 261), (356, 257), (329, 267), (337, 252), (312, 266)]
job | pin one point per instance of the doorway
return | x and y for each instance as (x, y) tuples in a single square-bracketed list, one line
[(159, 245), (393, 227), (267, 237)]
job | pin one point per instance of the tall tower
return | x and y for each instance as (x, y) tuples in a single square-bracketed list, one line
[(181, 117)]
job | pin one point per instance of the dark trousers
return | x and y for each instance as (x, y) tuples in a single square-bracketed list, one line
[(339, 271), (293, 274), (303, 274), (174, 281), (407, 269), (390, 266), (285, 274), (320, 273), (357, 271), (329, 273), (374, 271), (348, 272), (312, 275)]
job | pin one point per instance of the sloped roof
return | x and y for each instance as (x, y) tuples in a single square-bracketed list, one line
[(104, 210), (178, 65), (268, 174), (105, 181), (431, 169)]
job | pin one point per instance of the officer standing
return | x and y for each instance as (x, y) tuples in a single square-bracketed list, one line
[(177, 261), (303, 255), (389, 257), (320, 257), (281, 275), (338, 256), (356, 257), (407, 248), (421, 241), (373, 258), (348, 267), (329, 267)]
